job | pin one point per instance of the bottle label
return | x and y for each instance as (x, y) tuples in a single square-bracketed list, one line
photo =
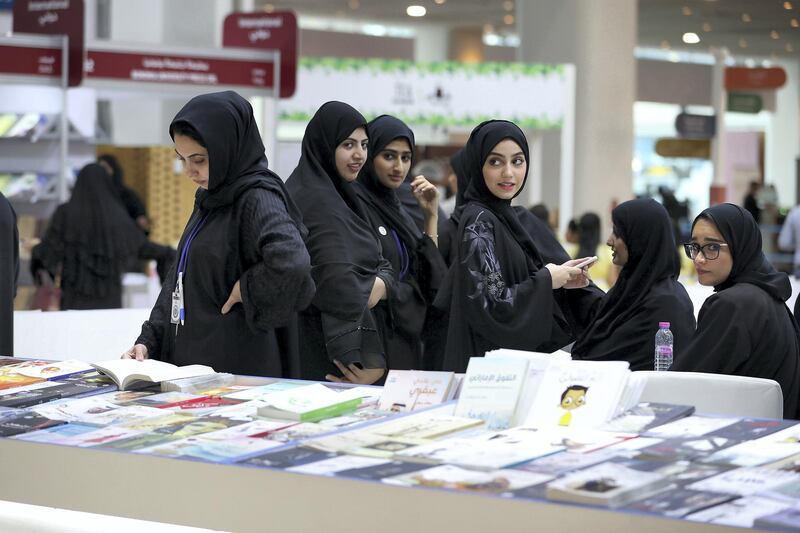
[(664, 350)]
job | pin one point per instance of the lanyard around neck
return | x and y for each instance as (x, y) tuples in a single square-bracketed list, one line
[(182, 264)]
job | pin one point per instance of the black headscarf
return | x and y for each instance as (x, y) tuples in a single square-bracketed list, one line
[(457, 164), (95, 238), (588, 235), (340, 241), (624, 327), (130, 200), (116, 170), (743, 237), (481, 142), (236, 157), (382, 131)]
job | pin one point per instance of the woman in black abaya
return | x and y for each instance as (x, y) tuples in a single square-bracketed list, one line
[(339, 339), (242, 245), (130, 200), (499, 291), (744, 328), (416, 261), (647, 291)]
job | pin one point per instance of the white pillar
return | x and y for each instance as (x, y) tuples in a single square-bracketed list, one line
[(599, 39), (431, 42), (719, 101), (782, 146)]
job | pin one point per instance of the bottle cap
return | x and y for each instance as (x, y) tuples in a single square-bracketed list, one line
[(663, 324)]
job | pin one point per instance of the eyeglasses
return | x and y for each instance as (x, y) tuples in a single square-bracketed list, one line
[(710, 251)]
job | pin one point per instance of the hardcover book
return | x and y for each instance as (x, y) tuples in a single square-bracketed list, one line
[(606, 484), (307, 404), (678, 502), (456, 478)]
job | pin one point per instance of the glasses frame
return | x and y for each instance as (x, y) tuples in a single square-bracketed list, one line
[(688, 247)]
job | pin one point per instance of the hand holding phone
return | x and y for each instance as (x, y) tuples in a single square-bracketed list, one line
[(586, 262)]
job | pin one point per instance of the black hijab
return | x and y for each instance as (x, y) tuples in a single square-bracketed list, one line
[(457, 164), (382, 131), (743, 237), (236, 156), (97, 236), (344, 253), (116, 171), (645, 227), (481, 142)]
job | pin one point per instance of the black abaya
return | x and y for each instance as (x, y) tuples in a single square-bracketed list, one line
[(647, 292), (745, 328), (9, 270)]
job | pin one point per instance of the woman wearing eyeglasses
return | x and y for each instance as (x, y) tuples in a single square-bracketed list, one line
[(744, 328)]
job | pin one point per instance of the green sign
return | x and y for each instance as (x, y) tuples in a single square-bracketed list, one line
[(745, 103)]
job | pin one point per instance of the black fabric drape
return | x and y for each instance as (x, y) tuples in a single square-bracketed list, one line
[(9, 271), (418, 266), (745, 328), (345, 255), (647, 292), (497, 292), (252, 234), (88, 242)]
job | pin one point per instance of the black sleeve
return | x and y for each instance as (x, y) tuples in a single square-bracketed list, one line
[(504, 314), (48, 255), (153, 329), (163, 255), (133, 204), (279, 281)]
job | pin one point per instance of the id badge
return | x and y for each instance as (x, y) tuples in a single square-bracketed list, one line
[(175, 312)]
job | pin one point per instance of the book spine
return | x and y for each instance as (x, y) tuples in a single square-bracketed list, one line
[(330, 411)]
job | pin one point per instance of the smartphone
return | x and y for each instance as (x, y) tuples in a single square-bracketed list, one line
[(586, 262)]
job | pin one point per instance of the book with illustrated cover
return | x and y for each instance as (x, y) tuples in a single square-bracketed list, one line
[(198, 383), (330, 466), (606, 484), (648, 415), (32, 395), (101, 436), (686, 448), (132, 374), (680, 473), (10, 379), (25, 422), (676, 502), (741, 512), (61, 434), (257, 393), (201, 405), (382, 471), (164, 399), (424, 426), (691, 426), (51, 370), (289, 457), (559, 464), (188, 428), (212, 450), (91, 379), (756, 428), (293, 432), (308, 404), (745, 481), (579, 393), (456, 478), (580, 440), (754, 452), (491, 390), (410, 390)]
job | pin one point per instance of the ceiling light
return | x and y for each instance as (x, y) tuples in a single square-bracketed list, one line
[(508, 5), (665, 44), (353, 4), (746, 17), (795, 23), (774, 34), (691, 38), (488, 28), (787, 5), (742, 43), (269, 8), (789, 47), (674, 57), (508, 19), (416, 11), (706, 27), (687, 11), (439, 2), (749, 63)]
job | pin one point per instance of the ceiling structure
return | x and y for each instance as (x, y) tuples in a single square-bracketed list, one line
[(756, 28)]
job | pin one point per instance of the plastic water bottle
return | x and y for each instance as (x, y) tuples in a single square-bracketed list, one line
[(663, 346)]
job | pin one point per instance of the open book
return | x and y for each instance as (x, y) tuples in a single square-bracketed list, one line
[(131, 374)]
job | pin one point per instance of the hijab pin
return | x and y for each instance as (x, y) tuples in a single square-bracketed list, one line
[(382, 230)]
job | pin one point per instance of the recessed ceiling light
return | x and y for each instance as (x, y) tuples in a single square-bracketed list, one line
[(416, 11), (774, 34), (687, 11), (691, 38), (706, 27), (746, 17), (795, 23), (269, 8), (439, 2), (787, 5), (508, 5), (750, 63), (488, 28), (508, 19), (742, 43)]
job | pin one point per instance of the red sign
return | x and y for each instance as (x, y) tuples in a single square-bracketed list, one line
[(267, 31), (55, 17), (754, 79), (30, 61), (184, 70)]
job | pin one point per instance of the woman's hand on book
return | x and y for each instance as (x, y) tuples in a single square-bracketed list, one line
[(353, 374), (138, 352)]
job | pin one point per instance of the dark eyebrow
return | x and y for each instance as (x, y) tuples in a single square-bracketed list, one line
[(354, 140), (396, 151), (192, 155), (501, 155), (712, 239)]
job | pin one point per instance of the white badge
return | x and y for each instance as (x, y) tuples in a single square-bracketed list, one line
[(175, 312), (382, 230)]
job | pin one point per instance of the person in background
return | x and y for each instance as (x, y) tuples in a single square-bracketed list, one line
[(417, 263), (647, 291), (130, 200), (9, 272), (603, 271), (88, 242), (745, 327), (499, 291), (338, 333), (751, 201), (541, 212), (447, 234), (243, 268), (789, 237)]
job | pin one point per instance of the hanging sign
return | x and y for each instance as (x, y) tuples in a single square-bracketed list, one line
[(745, 103), (754, 79), (691, 148), (696, 126)]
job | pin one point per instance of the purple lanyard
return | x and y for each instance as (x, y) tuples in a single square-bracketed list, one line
[(404, 259), (185, 252)]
